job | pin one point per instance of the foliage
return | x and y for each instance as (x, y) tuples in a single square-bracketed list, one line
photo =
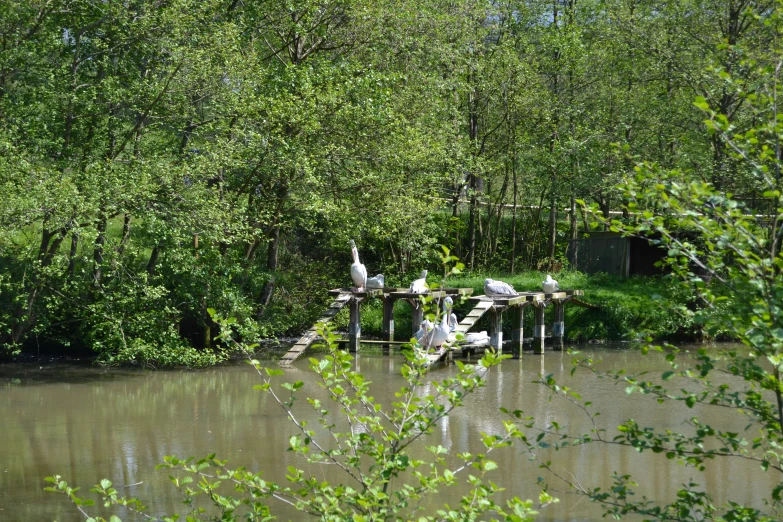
[(730, 258), (220, 154)]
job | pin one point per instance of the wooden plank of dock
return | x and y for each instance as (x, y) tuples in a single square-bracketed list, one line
[(310, 335), (481, 307)]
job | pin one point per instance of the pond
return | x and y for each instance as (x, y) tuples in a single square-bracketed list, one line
[(87, 424)]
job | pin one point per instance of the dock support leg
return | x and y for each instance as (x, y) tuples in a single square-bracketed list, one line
[(496, 338), (388, 323), (517, 331), (417, 317), (558, 328), (354, 326), (539, 330)]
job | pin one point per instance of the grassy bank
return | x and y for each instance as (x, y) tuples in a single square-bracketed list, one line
[(628, 308)]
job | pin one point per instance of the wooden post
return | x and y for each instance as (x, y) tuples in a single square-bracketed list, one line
[(496, 337), (558, 328), (417, 316), (354, 325), (388, 322), (539, 330), (518, 331)]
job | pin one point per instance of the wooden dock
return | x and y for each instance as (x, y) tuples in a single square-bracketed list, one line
[(540, 300), (437, 355), (496, 305), (343, 296)]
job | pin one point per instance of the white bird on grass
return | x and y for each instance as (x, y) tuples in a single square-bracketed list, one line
[(375, 282), (550, 285), (419, 286), (358, 272), (492, 287)]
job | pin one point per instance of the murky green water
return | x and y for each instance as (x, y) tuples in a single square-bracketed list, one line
[(86, 424)]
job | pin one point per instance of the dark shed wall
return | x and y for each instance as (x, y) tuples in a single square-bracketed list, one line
[(644, 255), (600, 254), (614, 254)]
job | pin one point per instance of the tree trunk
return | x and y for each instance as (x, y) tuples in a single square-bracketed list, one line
[(271, 265), (552, 229), (573, 232), (537, 225), (514, 220), (455, 225), (126, 230), (472, 224), (476, 183), (153, 261), (273, 235), (499, 215), (25, 316), (97, 253), (603, 204), (72, 253)]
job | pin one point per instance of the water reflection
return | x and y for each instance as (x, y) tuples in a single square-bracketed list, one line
[(87, 424)]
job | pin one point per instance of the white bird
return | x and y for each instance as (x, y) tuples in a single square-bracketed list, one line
[(438, 335), (492, 287), (478, 338), (448, 303), (375, 282), (550, 285), (453, 321), (419, 286), (426, 326), (358, 272)]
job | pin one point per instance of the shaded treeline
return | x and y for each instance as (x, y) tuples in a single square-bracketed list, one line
[(159, 158)]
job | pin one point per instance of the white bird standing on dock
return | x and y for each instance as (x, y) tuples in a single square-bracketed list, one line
[(492, 287), (453, 321), (550, 285), (438, 335), (421, 333), (358, 272), (419, 286), (375, 282), (448, 303)]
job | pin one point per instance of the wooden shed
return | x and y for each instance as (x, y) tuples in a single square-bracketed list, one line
[(612, 253)]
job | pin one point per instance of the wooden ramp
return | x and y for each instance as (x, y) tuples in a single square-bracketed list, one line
[(436, 356), (310, 335), (472, 318), (466, 324), (584, 304)]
